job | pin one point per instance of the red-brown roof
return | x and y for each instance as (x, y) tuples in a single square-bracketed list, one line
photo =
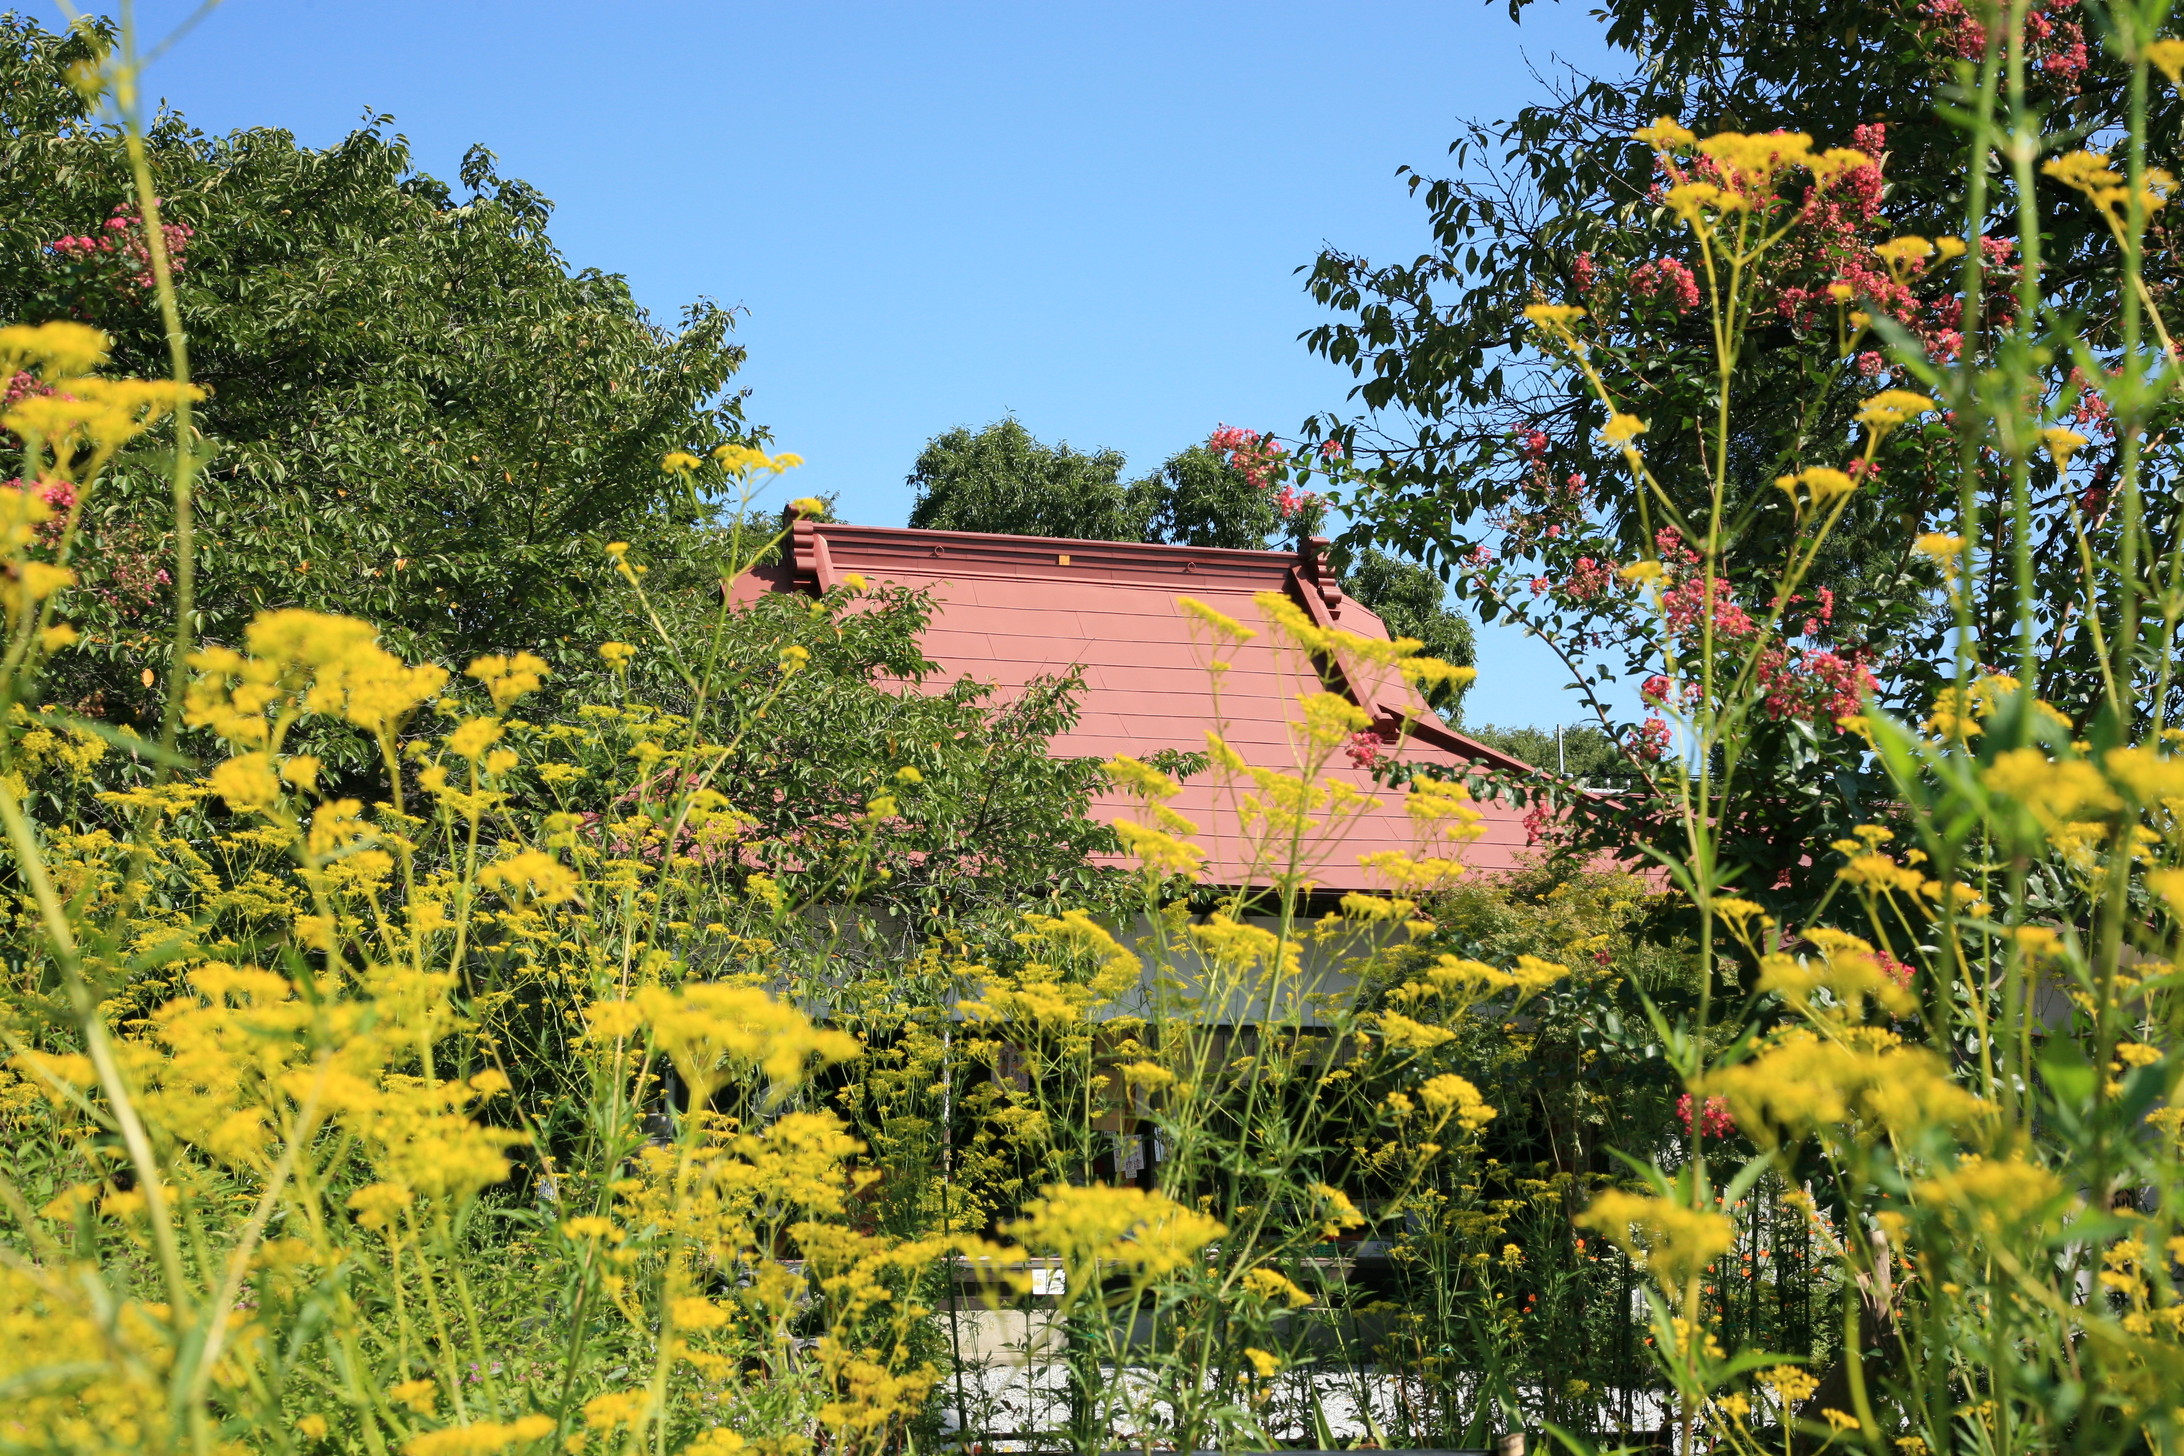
[(1008, 609)]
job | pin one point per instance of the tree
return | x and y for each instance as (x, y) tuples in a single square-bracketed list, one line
[(417, 413), (1480, 445), (1202, 499), (1001, 479), (1224, 493), (1578, 751)]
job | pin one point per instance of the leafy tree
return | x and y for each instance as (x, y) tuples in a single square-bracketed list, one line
[(417, 412), (1202, 499), (1580, 751), (1003, 480), (1479, 445)]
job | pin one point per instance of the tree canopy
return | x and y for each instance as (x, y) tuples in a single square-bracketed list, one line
[(417, 411)]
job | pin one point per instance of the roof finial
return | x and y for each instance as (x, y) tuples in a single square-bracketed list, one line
[(1312, 566)]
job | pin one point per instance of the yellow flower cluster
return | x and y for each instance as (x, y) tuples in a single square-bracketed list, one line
[(1670, 1241), (1149, 1235)]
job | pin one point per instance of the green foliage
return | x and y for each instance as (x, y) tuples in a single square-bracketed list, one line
[(1200, 499), (1581, 751), (994, 823), (1002, 479), (418, 412)]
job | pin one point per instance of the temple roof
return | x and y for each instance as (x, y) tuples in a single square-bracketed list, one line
[(1008, 609)]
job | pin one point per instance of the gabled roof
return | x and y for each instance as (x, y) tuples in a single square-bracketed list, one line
[(1008, 609)]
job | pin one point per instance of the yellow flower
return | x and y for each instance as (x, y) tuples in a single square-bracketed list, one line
[(1939, 546), (1689, 200), (415, 1395), (616, 654), (2169, 885), (376, 1204), (2146, 773), (1748, 162), (1140, 779), (1668, 1240), (1554, 316), (1405, 1035), (2085, 170), (1160, 852), (1992, 1193), (247, 783), (1621, 429), (473, 736), (809, 505), (2056, 791), (696, 1313), (1837, 160), (2062, 444), (1267, 1366), (1820, 483), (794, 657), (1643, 573), (508, 678), (1901, 253), (1863, 1083), (1449, 1095), (311, 1427), (1893, 407), (1791, 1386), (1268, 1284), (2167, 57), (1949, 248), (1666, 135), (1430, 672), (532, 875), (1148, 1233), (41, 579), (479, 1438), (1221, 623), (709, 1029), (1740, 912), (679, 462), (58, 349)]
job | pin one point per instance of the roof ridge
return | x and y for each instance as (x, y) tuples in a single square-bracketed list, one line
[(1002, 545)]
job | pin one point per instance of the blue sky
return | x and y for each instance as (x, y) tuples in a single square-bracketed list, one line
[(938, 214)]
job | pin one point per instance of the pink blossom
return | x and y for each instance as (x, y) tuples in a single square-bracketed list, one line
[(1668, 281), (1588, 579), (1259, 457), (1714, 1120)]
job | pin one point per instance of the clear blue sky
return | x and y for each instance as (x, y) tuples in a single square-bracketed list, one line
[(937, 214)]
